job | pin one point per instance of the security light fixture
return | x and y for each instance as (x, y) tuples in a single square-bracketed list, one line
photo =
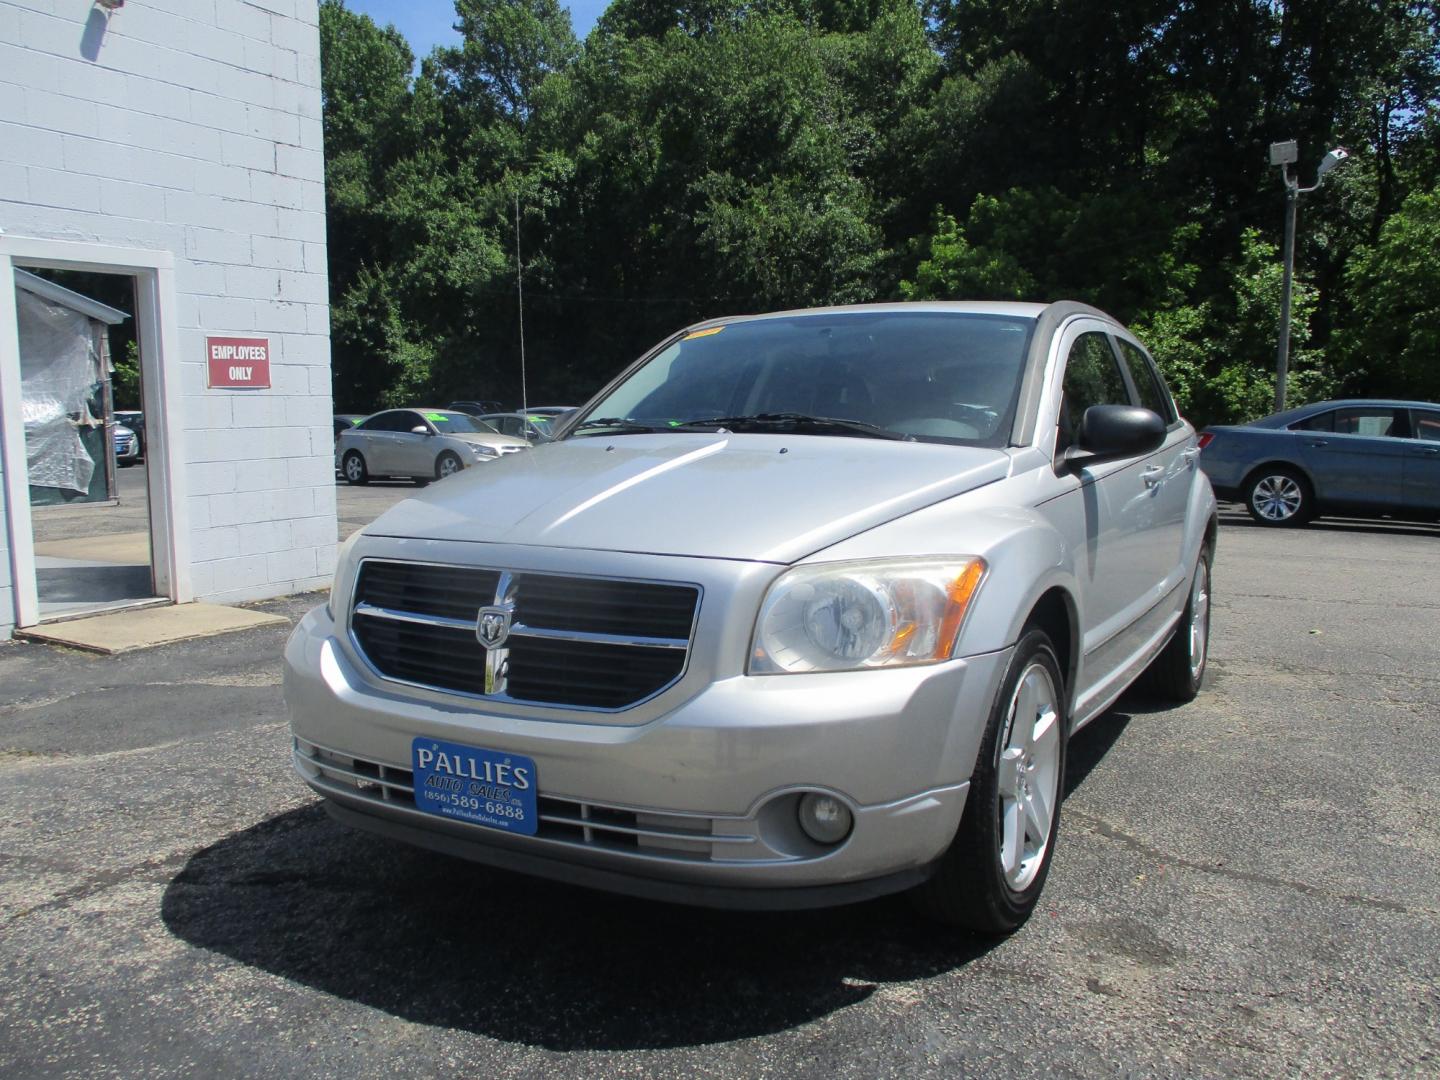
[(1284, 153), (1329, 161), (110, 5)]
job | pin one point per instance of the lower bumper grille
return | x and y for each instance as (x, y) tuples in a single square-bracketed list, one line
[(576, 822)]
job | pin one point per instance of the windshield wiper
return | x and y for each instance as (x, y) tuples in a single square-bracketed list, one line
[(620, 423), (794, 421)]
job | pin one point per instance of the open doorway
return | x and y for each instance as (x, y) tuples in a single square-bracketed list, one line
[(86, 453)]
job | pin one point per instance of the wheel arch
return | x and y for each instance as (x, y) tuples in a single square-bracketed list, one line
[(1056, 614), (1286, 464)]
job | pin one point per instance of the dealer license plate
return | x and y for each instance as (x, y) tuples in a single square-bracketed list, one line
[(486, 787)]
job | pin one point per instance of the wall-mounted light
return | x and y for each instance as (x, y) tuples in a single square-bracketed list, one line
[(110, 5)]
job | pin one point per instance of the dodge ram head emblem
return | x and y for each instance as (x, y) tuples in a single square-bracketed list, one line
[(492, 626)]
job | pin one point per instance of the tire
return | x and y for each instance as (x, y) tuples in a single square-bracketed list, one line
[(1176, 674), (447, 464), (352, 465), (990, 878), (1279, 496)]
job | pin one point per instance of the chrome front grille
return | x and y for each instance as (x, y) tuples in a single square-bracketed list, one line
[(563, 820), (579, 642)]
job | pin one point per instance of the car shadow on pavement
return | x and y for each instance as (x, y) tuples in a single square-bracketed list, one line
[(1237, 517), (444, 942)]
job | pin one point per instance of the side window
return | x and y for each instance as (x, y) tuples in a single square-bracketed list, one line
[(1367, 420), (1427, 424), (385, 421), (406, 420), (1092, 377), (1324, 421), (1148, 383)]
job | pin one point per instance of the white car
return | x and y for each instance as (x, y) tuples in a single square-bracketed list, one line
[(801, 609), (419, 444)]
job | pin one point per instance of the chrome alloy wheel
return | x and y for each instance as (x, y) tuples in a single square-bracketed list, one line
[(354, 467), (1029, 776), (1277, 497), (448, 465), (1199, 619)]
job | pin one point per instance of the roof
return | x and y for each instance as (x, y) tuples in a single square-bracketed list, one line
[(1299, 412), (58, 294)]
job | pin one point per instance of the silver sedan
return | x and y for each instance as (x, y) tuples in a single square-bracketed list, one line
[(420, 444)]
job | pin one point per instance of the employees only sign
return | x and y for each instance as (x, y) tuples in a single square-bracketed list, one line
[(238, 363)]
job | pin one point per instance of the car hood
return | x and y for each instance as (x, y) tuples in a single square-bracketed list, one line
[(765, 497)]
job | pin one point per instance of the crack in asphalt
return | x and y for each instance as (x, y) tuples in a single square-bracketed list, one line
[(243, 680), (1285, 668), (1111, 832), (164, 870), (1346, 601)]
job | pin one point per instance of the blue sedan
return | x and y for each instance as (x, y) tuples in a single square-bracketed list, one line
[(1361, 458)]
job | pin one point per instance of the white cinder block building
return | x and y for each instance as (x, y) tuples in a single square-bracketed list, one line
[(178, 143)]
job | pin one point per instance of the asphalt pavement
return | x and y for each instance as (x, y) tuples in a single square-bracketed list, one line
[(1248, 885)]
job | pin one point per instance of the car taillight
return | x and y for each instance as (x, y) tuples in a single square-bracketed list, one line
[(1206, 438)]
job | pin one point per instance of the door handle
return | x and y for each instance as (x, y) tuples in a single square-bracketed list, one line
[(1428, 451), (1152, 476), (1317, 442)]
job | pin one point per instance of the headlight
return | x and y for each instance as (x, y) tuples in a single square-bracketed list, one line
[(849, 616), (481, 450)]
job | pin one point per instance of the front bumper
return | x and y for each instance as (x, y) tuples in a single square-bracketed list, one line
[(696, 803)]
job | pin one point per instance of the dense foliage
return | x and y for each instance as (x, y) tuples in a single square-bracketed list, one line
[(709, 157)]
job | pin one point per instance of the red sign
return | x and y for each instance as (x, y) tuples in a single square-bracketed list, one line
[(238, 363)]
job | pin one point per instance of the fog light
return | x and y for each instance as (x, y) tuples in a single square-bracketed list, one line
[(825, 819)]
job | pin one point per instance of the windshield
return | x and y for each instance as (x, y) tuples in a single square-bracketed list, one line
[(459, 423), (951, 377)]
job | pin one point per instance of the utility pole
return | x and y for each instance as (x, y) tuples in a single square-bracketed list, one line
[(1282, 359), (520, 297), (1286, 154)]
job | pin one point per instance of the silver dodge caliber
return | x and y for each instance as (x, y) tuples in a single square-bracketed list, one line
[(801, 609)]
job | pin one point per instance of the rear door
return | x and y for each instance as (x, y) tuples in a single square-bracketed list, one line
[(1356, 455), (1422, 460), (376, 440)]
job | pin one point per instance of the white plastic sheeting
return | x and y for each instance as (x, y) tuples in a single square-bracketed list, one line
[(60, 367)]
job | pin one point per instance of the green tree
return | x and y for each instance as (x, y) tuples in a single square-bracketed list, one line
[(1391, 343)]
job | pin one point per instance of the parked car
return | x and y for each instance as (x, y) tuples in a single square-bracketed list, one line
[(345, 421), (127, 446), (476, 408), (421, 444), (135, 421), (1358, 457), (532, 427), (550, 410), (803, 609)]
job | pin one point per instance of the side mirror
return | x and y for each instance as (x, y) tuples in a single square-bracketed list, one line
[(1115, 431), (419, 429)]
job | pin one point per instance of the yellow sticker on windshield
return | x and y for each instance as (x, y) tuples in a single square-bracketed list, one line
[(702, 333)]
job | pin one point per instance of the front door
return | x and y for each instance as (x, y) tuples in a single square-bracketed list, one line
[(1122, 513), (414, 450), (1422, 461), (1355, 457)]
